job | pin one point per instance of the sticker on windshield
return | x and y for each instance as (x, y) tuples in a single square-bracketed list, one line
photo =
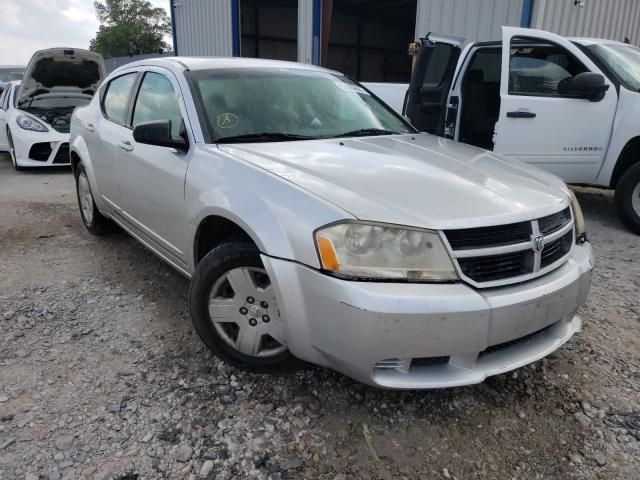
[(351, 87), (227, 120)]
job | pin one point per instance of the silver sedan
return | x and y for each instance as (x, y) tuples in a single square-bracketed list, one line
[(314, 223)]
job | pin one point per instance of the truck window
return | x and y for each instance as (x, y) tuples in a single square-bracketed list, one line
[(440, 59), (540, 69)]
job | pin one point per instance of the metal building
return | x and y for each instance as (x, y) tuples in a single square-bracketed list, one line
[(368, 38)]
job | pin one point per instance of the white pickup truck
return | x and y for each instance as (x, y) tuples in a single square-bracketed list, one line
[(569, 106)]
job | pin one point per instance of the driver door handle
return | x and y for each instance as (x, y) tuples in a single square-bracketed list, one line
[(126, 145), (521, 114), (89, 126)]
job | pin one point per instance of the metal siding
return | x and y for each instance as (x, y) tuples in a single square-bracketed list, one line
[(305, 31), (611, 19), (204, 27), (475, 20)]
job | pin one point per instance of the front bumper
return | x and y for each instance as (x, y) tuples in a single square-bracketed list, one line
[(51, 148), (397, 335)]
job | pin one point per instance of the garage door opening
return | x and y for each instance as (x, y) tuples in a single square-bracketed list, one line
[(269, 29), (368, 40)]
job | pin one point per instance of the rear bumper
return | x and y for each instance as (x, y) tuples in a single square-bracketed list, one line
[(376, 332)]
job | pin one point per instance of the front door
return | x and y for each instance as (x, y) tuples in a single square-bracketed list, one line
[(152, 178), (426, 104), (540, 124)]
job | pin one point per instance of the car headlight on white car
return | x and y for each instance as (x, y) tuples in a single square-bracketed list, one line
[(578, 218), (30, 123), (373, 251)]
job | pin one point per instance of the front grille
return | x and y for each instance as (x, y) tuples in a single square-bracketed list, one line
[(62, 155), (497, 267), (555, 250), (40, 151), (555, 222), (470, 238), (498, 255)]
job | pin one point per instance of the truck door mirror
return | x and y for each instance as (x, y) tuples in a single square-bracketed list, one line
[(589, 85)]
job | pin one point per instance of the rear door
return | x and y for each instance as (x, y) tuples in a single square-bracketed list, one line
[(538, 124), (426, 104), (103, 137)]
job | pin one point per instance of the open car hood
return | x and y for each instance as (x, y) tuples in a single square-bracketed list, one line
[(62, 70)]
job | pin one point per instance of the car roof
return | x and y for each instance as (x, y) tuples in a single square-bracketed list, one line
[(596, 41), (210, 63)]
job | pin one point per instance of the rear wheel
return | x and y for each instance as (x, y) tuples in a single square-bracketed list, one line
[(12, 151), (235, 310), (93, 220), (627, 198)]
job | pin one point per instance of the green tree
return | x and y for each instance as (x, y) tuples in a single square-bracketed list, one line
[(129, 27)]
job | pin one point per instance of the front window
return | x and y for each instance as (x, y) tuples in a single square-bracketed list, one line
[(280, 104), (622, 60), (540, 70)]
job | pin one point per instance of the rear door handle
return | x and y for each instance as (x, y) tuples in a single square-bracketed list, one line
[(126, 145), (90, 127), (521, 114)]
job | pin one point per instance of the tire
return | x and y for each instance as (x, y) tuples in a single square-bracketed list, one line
[(234, 309), (627, 197), (12, 152), (92, 219)]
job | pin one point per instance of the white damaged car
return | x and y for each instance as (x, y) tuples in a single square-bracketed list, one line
[(35, 114)]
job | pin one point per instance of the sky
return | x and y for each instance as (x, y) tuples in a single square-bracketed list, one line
[(30, 25)]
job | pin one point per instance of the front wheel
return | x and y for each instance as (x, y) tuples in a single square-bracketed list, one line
[(12, 151), (627, 197), (93, 220), (235, 311)]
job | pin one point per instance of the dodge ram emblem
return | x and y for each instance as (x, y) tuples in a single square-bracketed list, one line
[(538, 243)]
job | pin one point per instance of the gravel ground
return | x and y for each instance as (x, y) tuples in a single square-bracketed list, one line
[(102, 376)]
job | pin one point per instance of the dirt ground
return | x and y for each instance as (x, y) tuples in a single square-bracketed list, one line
[(102, 376)]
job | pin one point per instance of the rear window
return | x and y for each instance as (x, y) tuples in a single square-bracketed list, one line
[(116, 98)]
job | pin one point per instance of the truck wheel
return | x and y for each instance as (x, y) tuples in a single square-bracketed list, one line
[(627, 198), (93, 220), (235, 311)]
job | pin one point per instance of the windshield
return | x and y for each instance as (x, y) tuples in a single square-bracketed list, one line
[(57, 101), (11, 74), (287, 104), (622, 60)]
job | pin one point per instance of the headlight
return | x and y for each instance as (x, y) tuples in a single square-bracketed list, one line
[(377, 252), (581, 229), (30, 123)]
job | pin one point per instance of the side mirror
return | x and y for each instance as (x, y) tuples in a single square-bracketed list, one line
[(589, 85), (158, 133)]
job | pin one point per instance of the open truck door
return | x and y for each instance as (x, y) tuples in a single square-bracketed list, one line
[(426, 105), (556, 108)]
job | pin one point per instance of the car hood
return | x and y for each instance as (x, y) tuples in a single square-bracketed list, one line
[(420, 180), (69, 70)]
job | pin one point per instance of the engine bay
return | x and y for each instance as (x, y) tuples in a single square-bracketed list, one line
[(58, 118)]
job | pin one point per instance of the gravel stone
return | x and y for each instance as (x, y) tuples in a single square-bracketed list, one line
[(183, 453), (100, 351)]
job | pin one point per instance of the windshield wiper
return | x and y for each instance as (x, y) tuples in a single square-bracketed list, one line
[(366, 132), (263, 137)]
